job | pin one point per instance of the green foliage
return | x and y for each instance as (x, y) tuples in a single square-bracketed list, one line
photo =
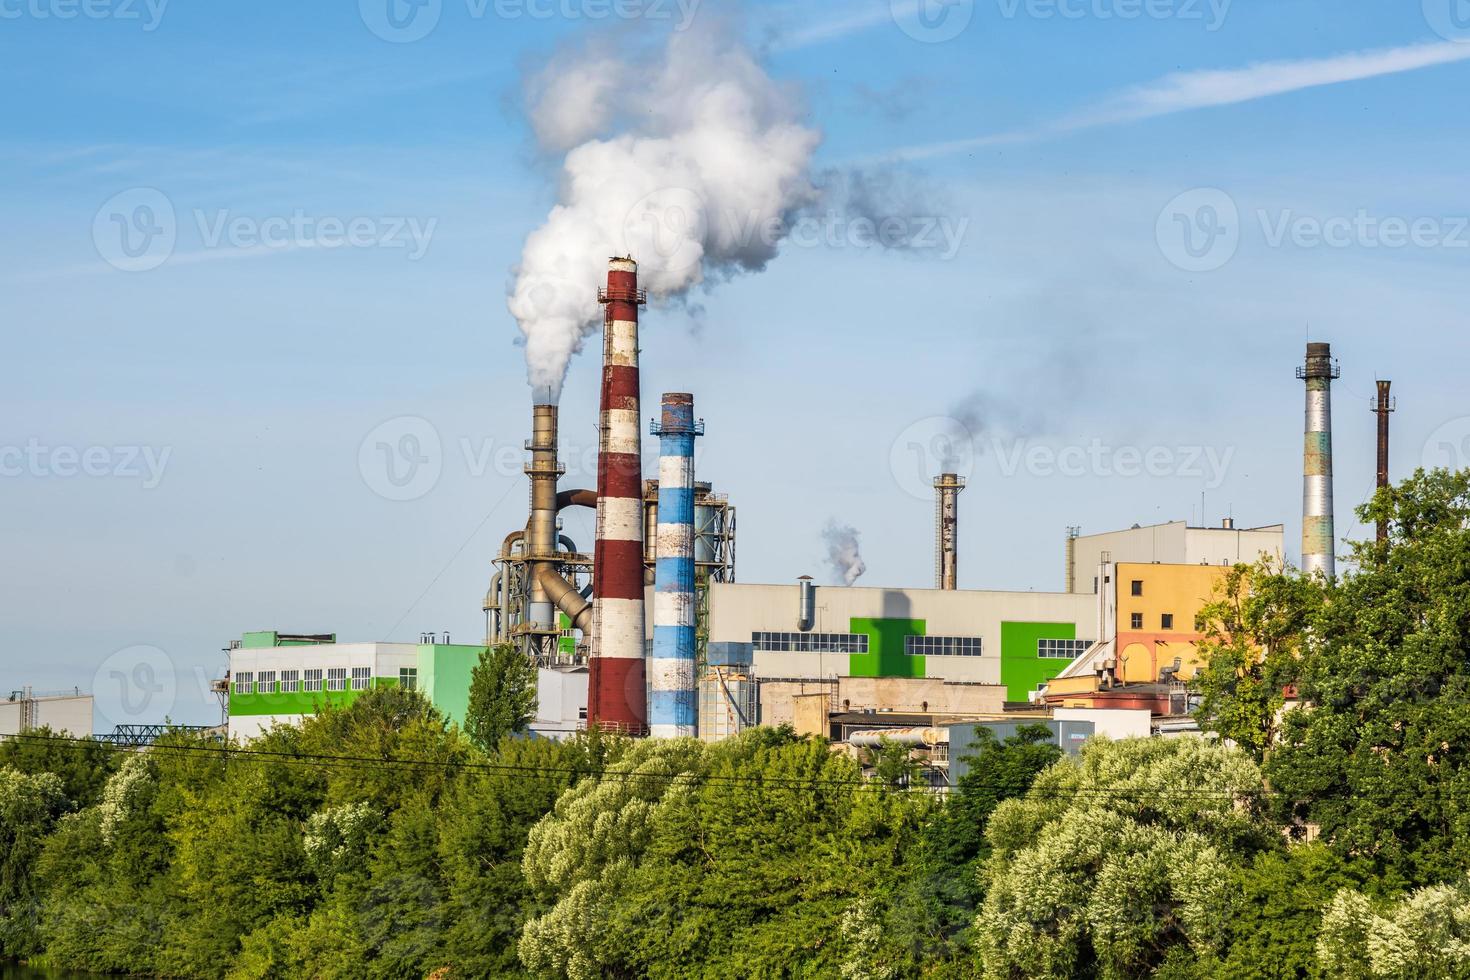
[(1425, 934), (762, 856), (502, 695), (939, 891), (83, 764), (29, 806), (1252, 649), (1112, 862), (1380, 761)]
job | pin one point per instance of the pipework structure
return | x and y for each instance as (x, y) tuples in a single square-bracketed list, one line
[(1318, 535), (947, 489), (539, 571), (616, 697), (1384, 404), (672, 694)]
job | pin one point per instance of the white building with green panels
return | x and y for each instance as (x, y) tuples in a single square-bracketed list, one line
[(280, 678)]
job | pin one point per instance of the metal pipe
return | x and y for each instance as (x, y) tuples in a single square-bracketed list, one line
[(616, 696), (1382, 409), (544, 469), (874, 738), (576, 498), (806, 611), (1318, 537), (564, 596), (672, 708)]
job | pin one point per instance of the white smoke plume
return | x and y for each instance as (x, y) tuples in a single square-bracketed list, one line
[(684, 158), (843, 553)]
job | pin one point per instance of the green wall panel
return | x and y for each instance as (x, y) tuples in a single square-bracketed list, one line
[(885, 656), (444, 676), (1020, 668)]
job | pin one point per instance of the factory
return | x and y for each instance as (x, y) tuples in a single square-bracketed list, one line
[(651, 634)]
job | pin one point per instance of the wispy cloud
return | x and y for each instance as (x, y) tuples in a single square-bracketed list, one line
[(1186, 91)]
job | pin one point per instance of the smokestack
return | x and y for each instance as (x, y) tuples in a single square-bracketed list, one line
[(946, 529), (1318, 537), (672, 708), (548, 591), (1381, 409), (1072, 534), (616, 698)]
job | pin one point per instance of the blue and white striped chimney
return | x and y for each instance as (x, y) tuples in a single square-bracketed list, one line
[(672, 698)]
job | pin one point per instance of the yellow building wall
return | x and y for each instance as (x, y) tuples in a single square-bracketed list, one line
[(1181, 590)]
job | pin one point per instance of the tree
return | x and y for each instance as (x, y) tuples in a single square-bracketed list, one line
[(1113, 865), (83, 764), (1254, 633), (763, 856), (502, 696), (1425, 934), (939, 891), (1379, 760), (29, 806)]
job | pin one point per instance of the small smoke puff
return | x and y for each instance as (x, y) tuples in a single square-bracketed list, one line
[(680, 161), (844, 555)]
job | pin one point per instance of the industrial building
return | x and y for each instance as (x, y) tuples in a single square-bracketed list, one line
[(280, 678), (1148, 646), (64, 711)]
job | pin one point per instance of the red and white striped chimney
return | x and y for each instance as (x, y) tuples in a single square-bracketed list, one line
[(617, 699)]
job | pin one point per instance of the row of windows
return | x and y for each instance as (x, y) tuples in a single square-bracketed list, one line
[(942, 646), (811, 642), (1061, 649), (1166, 621), (292, 681)]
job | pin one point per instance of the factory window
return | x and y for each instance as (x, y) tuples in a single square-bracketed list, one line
[(265, 682), (245, 682), (361, 677), (1167, 622), (942, 646), (1136, 621), (336, 678), (1137, 587), (1062, 649), (408, 678), (811, 642), (290, 681), (313, 680)]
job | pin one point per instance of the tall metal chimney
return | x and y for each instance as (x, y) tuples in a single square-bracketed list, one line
[(547, 590), (1073, 532), (672, 696), (947, 489), (1318, 536), (1384, 406), (617, 699)]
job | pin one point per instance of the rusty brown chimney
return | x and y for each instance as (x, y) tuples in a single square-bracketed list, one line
[(1381, 408)]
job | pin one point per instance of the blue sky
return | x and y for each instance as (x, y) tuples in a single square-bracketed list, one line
[(1074, 150)]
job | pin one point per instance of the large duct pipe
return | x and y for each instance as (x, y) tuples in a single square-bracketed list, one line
[(946, 531), (1318, 536), (544, 470), (1384, 406), (672, 707), (616, 696)]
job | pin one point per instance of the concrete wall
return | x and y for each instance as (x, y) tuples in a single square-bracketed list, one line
[(561, 702), (67, 713), (1112, 722), (1175, 543), (778, 699), (886, 616)]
